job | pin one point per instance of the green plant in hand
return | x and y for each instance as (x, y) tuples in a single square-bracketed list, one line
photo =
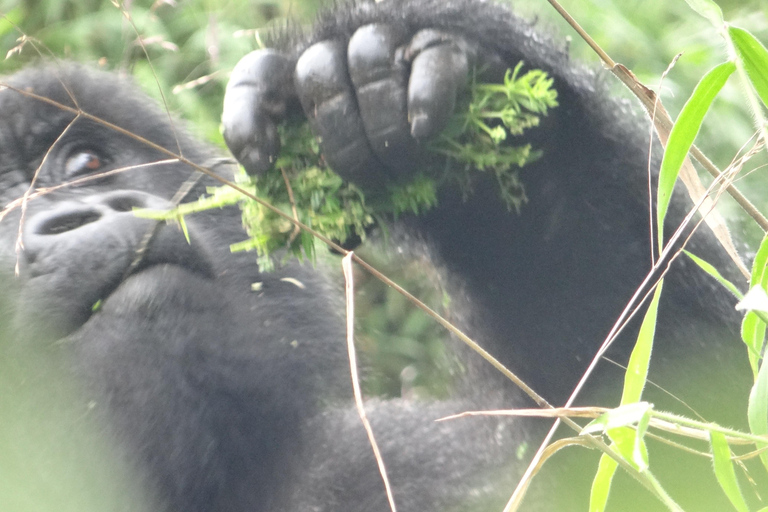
[(304, 188), (474, 139)]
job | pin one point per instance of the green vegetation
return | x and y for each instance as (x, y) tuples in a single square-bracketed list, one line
[(302, 186)]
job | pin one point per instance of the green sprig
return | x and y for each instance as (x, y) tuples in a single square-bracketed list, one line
[(302, 186), (475, 138)]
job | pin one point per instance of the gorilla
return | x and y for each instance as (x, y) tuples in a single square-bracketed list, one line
[(209, 386)]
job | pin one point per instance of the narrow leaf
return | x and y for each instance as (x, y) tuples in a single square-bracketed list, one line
[(683, 134), (627, 441), (753, 328), (760, 265), (640, 450), (724, 472), (624, 440), (637, 368), (623, 416), (754, 57), (601, 485), (712, 271), (756, 299), (753, 334), (757, 410), (709, 10)]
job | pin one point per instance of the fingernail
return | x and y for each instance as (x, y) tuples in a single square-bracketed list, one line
[(421, 127)]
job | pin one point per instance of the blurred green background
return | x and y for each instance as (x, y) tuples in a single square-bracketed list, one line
[(193, 44)]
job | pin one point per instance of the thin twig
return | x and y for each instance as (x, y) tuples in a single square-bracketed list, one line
[(296, 228), (349, 288)]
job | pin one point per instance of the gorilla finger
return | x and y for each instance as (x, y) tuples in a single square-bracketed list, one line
[(328, 100), (380, 76), (438, 74), (254, 103)]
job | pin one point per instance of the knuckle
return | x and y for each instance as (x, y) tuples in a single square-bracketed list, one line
[(321, 73), (372, 53)]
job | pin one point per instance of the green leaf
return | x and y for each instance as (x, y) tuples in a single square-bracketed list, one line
[(708, 9), (724, 472), (637, 369), (756, 299), (754, 57), (10, 20), (753, 328), (712, 271), (753, 334), (757, 410), (601, 485), (623, 416), (640, 450), (683, 133), (625, 441)]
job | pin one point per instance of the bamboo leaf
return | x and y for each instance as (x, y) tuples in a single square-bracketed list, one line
[(754, 57), (753, 327), (683, 134), (724, 472), (709, 10), (637, 369), (601, 485), (712, 271), (757, 409)]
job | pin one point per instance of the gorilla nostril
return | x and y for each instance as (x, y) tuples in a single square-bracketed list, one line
[(67, 222), (125, 203)]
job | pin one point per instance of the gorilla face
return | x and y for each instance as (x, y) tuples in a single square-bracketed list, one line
[(157, 327), (81, 250), (81, 240)]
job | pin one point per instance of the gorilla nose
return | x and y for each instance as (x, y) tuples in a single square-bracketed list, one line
[(73, 215), (101, 232)]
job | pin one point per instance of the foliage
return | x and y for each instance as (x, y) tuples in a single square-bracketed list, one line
[(627, 432), (474, 138), (179, 52), (302, 186)]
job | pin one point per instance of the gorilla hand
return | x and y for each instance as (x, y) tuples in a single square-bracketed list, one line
[(369, 100)]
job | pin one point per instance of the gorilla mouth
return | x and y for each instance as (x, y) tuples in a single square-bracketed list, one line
[(76, 257), (163, 247), (166, 246)]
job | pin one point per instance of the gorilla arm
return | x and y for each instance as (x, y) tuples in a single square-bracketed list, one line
[(545, 285)]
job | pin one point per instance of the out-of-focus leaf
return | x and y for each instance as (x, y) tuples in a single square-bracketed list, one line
[(601, 485), (637, 369), (756, 299), (712, 271), (10, 20), (753, 328), (757, 410), (709, 10), (754, 57), (683, 133), (724, 472)]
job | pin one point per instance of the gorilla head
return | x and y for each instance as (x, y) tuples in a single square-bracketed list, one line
[(223, 389), (138, 308)]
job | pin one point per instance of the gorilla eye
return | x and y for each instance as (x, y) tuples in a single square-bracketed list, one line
[(83, 162)]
